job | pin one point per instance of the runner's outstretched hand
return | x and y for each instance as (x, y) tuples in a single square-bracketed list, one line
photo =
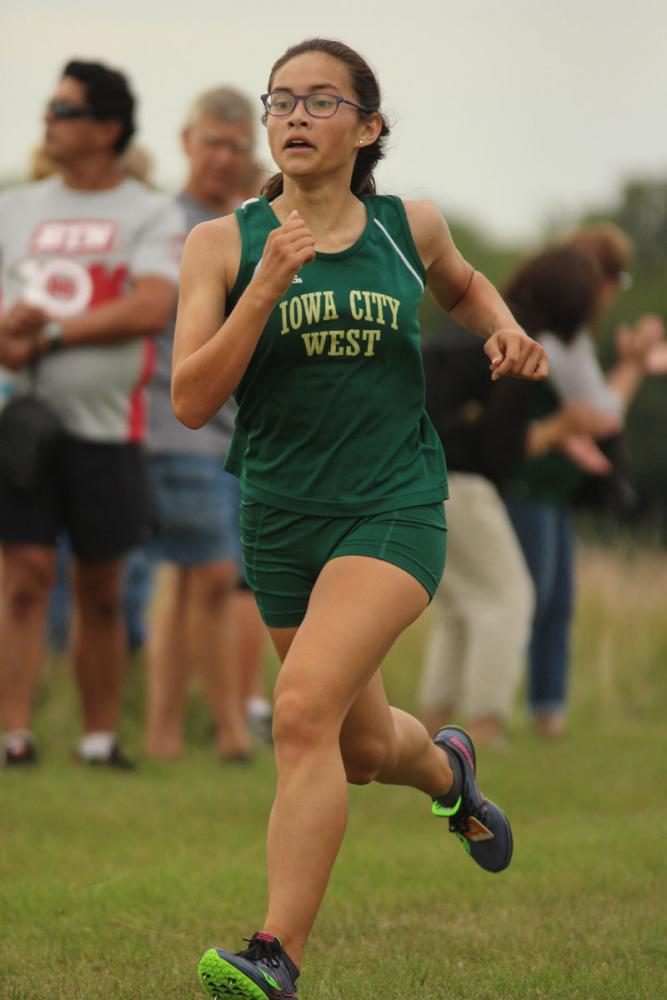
[(513, 352)]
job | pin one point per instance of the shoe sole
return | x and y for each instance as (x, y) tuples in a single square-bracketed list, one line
[(220, 979), (510, 844)]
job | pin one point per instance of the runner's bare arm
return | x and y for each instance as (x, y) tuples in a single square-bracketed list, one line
[(211, 353), (470, 299)]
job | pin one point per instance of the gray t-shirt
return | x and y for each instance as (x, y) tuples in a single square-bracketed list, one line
[(67, 251), (166, 435), (575, 373)]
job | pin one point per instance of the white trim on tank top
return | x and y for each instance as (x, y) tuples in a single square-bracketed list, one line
[(400, 254)]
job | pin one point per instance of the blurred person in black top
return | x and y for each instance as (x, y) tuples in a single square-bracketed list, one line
[(483, 608)]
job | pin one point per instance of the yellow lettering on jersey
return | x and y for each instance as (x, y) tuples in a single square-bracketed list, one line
[(340, 343), (378, 298), (393, 305), (329, 307), (371, 337), (352, 337), (311, 306), (315, 342), (355, 308), (295, 312), (335, 349), (283, 316), (373, 306), (367, 300)]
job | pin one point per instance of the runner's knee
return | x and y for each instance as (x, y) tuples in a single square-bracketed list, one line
[(300, 722), (368, 758)]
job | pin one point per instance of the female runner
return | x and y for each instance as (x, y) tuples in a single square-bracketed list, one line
[(304, 305)]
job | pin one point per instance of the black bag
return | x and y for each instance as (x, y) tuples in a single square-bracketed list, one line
[(29, 435)]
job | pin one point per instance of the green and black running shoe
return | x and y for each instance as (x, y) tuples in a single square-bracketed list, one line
[(483, 829), (262, 972)]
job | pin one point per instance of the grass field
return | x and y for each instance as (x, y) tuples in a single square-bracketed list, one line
[(111, 885)]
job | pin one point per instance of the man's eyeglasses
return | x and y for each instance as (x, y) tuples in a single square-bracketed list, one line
[(280, 103), (237, 146), (66, 109)]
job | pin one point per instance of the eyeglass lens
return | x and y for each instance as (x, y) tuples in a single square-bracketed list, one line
[(282, 102)]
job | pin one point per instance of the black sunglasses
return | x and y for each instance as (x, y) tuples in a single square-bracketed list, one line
[(66, 109)]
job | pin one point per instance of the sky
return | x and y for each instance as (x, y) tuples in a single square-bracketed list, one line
[(513, 115)]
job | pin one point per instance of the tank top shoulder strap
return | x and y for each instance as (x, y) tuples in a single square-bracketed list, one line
[(255, 220), (389, 216)]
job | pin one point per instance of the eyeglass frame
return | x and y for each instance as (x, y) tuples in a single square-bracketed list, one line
[(67, 111), (304, 97), (237, 146)]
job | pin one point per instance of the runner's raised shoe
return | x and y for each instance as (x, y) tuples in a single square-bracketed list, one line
[(483, 829), (262, 972)]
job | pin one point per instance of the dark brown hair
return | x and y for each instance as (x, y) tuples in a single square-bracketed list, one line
[(367, 92), (108, 95), (556, 291)]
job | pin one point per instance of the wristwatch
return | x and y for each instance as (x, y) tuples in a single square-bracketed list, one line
[(53, 334)]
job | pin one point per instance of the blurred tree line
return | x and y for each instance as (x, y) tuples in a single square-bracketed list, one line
[(641, 211)]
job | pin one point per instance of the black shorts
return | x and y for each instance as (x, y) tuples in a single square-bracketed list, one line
[(97, 493)]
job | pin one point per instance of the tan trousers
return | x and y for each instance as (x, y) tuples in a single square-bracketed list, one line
[(481, 611)]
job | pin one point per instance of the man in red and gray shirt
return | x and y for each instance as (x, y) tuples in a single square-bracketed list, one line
[(89, 264)]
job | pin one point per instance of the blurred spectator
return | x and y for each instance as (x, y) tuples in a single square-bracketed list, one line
[(194, 626), (135, 162), (137, 588), (558, 295), (482, 611), (251, 636), (88, 272), (253, 180)]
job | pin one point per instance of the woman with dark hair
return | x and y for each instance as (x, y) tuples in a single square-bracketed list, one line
[(304, 305), (557, 296)]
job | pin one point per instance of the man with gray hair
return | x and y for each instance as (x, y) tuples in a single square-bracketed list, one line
[(196, 501)]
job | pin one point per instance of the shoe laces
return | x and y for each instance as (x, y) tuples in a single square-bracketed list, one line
[(458, 823), (263, 950)]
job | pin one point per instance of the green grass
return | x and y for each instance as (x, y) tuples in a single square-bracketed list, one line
[(111, 885)]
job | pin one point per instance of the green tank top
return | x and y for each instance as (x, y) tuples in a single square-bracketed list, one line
[(331, 415)]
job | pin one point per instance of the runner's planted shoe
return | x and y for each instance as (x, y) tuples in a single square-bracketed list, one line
[(482, 828), (262, 971)]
